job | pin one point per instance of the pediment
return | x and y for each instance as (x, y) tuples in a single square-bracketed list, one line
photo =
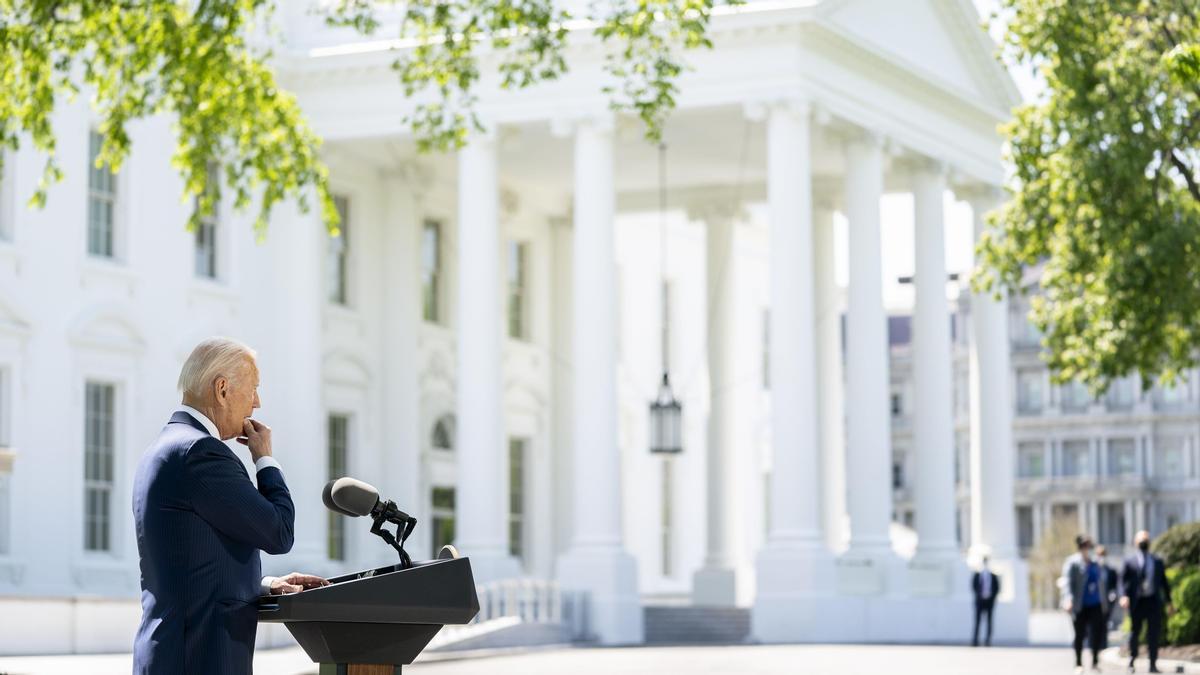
[(106, 327), (941, 39)]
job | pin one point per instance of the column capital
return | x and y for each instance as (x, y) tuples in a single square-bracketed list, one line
[(827, 193), (567, 124), (924, 165), (979, 195), (714, 209), (796, 103)]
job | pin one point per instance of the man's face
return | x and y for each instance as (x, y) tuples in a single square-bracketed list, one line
[(237, 399)]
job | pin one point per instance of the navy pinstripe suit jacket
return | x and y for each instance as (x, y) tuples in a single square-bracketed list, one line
[(200, 525)]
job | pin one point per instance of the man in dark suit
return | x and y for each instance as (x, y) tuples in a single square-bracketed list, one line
[(1145, 594), (986, 586), (201, 522)]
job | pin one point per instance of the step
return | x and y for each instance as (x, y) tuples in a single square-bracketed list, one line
[(696, 625)]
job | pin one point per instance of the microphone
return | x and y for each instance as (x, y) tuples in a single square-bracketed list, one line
[(356, 498), (327, 497)]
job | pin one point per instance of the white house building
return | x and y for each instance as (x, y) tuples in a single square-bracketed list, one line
[(483, 340)]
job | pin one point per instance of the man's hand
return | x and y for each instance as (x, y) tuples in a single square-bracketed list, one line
[(257, 437), (1124, 602), (295, 582)]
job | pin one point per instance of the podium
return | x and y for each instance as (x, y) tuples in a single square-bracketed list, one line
[(375, 621)]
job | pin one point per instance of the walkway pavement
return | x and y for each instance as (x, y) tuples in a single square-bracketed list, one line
[(740, 660)]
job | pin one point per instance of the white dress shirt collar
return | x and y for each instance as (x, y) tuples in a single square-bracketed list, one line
[(202, 419)]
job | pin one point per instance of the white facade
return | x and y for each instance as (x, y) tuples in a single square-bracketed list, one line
[(788, 134)]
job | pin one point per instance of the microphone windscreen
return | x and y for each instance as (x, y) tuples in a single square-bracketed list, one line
[(353, 496), (327, 497)]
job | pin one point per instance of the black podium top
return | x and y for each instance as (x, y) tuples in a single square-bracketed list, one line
[(430, 592)]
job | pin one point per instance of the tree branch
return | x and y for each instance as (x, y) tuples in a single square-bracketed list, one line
[(1184, 169)]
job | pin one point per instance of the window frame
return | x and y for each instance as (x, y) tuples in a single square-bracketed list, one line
[(97, 194), (337, 462), (432, 291), (517, 283), (338, 290), (99, 487)]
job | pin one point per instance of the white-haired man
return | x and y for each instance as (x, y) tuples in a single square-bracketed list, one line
[(201, 522)]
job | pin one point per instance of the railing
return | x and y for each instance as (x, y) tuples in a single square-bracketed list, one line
[(522, 601)]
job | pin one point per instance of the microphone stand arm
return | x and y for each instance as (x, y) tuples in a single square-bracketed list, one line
[(387, 512)]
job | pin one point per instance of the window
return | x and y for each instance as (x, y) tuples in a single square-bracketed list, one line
[(1065, 513), (443, 433), (1122, 456), (1075, 397), (516, 497), (1031, 459), (1167, 514), (339, 254), (1029, 392), (1120, 394), (1024, 528), (1173, 396), (518, 290), (1111, 528), (1168, 457), (102, 199), (766, 348), (1025, 334), (897, 404), (442, 516), (668, 495), (1076, 458), (897, 472), (339, 441), (99, 441), (206, 230), (431, 271)]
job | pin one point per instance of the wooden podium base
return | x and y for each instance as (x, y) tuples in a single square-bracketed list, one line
[(358, 669)]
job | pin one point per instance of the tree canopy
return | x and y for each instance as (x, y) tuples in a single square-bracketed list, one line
[(206, 64), (1105, 194)]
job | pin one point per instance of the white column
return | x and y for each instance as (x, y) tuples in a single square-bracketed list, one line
[(292, 375), (793, 569), (829, 377), (481, 518), (993, 462), (993, 466), (400, 317), (933, 423), (717, 582), (868, 426), (596, 562)]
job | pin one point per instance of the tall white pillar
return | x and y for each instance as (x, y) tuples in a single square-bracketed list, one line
[(868, 425), (933, 423), (596, 561), (292, 375), (993, 462), (717, 582), (829, 378), (993, 466), (481, 518), (794, 569)]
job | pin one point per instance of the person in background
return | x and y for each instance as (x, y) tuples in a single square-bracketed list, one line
[(1109, 586), (1145, 594), (986, 587), (1084, 598)]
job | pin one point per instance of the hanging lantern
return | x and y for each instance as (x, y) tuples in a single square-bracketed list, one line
[(666, 421)]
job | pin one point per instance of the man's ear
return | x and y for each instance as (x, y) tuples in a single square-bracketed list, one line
[(220, 390)]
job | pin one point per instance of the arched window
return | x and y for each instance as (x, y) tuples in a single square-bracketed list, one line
[(443, 433)]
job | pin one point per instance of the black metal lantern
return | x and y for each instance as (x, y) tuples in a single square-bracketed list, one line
[(666, 421)]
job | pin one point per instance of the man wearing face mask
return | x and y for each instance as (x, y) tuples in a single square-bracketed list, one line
[(1084, 598), (1145, 594)]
